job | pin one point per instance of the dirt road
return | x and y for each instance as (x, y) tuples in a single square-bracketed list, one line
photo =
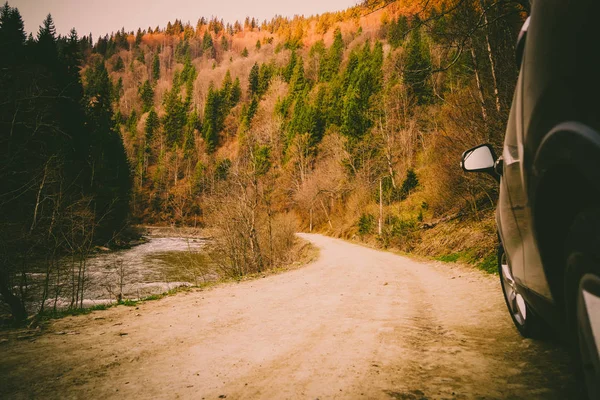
[(358, 323)]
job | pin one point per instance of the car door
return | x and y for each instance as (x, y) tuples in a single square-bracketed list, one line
[(509, 232), (533, 276)]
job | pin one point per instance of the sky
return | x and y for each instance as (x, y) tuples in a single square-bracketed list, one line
[(101, 17)]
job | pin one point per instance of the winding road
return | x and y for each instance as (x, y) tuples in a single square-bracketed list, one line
[(358, 323)]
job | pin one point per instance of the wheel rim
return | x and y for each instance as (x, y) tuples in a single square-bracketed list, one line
[(516, 302)]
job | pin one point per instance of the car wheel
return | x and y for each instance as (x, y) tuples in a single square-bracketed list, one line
[(525, 320), (582, 295)]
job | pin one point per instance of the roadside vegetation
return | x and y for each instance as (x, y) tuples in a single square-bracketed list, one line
[(349, 123)]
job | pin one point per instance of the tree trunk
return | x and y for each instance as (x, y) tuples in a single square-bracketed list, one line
[(490, 56), (479, 87)]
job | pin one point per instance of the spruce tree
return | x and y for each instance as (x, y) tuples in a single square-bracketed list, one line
[(155, 68), (147, 96), (152, 125), (331, 65), (212, 117), (253, 80), (208, 45), (111, 179), (119, 65), (417, 68), (236, 92), (175, 116)]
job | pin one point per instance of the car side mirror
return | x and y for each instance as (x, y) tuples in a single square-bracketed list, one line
[(480, 159)]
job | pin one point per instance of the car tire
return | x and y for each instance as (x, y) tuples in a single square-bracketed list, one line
[(582, 296), (526, 321)]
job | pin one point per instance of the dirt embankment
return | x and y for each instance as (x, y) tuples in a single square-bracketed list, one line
[(357, 323)]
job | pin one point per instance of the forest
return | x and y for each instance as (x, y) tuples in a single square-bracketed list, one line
[(348, 123)]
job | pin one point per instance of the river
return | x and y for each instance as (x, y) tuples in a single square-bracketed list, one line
[(165, 260)]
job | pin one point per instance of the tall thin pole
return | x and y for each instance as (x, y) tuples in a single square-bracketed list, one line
[(380, 206)]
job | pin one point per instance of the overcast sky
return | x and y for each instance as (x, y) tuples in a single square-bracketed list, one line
[(100, 17)]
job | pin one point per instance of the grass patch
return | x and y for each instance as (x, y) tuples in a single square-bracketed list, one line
[(488, 264)]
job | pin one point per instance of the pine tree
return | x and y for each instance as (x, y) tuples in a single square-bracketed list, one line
[(111, 179), (12, 35), (119, 65), (417, 68), (291, 66), (117, 91), (226, 90), (147, 96), (264, 80), (138, 37), (175, 116), (258, 45), (224, 43), (398, 28), (253, 80), (297, 80), (212, 117), (155, 68), (46, 43), (193, 125), (236, 92), (245, 52), (331, 65), (208, 45), (152, 125)]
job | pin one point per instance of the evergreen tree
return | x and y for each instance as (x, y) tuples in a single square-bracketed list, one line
[(245, 52), (212, 119), (138, 37), (175, 116), (117, 91), (131, 125), (224, 43), (288, 71), (331, 65), (188, 73), (258, 45), (46, 51), (236, 92), (264, 80), (297, 80), (397, 30), (253, 80), (417, 68), (119, 65), (111, 180), (155, 68), (208, 46), (12, 35), (152, 125), (147, 96), (226, 90), (193, 125)]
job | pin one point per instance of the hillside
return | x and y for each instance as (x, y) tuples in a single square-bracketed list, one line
[(349, 123), (307, 116)]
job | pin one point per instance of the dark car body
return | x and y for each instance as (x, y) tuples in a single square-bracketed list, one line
[(551, 154), (549, 171)]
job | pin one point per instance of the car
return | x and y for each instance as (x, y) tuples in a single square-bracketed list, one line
[(548, 211)]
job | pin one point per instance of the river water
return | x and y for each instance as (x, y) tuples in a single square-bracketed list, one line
[(161, 263)]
